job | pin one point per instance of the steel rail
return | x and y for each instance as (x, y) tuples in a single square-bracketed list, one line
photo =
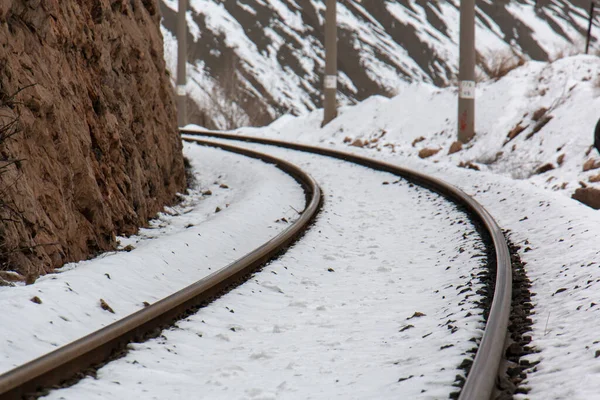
[(481, 378), (65, 362)]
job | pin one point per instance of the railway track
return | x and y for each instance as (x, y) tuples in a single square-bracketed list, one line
[(67, 363), (97, 347), (484, 371)]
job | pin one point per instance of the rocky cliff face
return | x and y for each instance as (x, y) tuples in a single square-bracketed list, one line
[(96, 150)]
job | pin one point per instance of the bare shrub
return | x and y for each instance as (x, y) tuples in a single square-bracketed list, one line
[(500, 63), (577, 47), (197, 116), (519, 169), (489, 158), (563, 53), (227, 103)]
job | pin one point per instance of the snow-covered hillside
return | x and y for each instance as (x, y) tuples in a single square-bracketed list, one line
[(253, 60), (536, 124), (534, 130)]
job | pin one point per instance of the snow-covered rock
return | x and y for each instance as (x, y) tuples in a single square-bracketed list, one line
[(253, 60)]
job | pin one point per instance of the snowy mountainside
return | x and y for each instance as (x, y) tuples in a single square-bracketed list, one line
[(535, 124), (253, 60)]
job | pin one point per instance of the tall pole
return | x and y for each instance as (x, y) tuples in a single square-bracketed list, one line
[(330, 81), (466, 72), (589, 31), (181, 63)]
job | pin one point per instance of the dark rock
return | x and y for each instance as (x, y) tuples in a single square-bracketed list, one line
[(427, 152), (468, 165), (589, 196), (514, 132), (417, 314), (514, 350), (455, 147), (99, 137), (538, 114), (104, 305), (544, 168)]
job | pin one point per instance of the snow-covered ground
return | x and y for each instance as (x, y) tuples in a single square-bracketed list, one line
[(375, 301), (184, 244), (534, 131), (558, 237), (566, 92)]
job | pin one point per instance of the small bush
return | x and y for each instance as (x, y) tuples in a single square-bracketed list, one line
[(498, 64), (577, 47), (226, 102)]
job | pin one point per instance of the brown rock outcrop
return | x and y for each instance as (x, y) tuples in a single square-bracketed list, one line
[(417, 140), (594, 178), (468, 165), (427, 152), (591, 164), (514, 132), (544, 168), (98, 138), (455, 147), (358, 143), (588, 196)]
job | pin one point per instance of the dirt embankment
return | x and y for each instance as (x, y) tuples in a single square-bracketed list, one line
[(97, 146)]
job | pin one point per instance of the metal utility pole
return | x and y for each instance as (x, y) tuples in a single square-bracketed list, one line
[(330, 81), (466, 72), (589, 31), (181, 62)]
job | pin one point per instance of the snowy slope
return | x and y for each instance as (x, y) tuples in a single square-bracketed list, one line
[(525, 178), (557, 105), (557, 237), (252, 60), (182, 245), (359, 310)]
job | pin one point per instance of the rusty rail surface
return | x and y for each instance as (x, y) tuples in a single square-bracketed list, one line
[(68, 361), (481, 379)]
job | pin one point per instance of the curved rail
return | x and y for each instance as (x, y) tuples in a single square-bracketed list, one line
[(67, 361), (482, 375)]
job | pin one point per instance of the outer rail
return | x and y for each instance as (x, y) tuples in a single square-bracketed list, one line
[(484, 370), (67, 361)]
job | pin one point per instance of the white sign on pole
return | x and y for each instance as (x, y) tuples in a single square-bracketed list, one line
[(330, 82), (466, 89)]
